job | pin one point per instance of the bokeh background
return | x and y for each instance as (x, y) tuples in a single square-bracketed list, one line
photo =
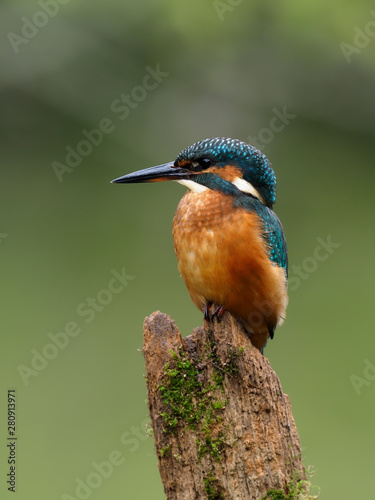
[(226, 68)]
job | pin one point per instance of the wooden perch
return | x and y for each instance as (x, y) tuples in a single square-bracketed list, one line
[(223, 428)]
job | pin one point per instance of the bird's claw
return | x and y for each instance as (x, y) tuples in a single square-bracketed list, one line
[(206, 312), (217, 312)]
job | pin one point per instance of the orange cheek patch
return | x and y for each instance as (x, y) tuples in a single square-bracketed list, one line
[(228, 173)]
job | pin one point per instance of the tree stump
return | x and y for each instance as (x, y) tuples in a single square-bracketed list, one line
[(223, 428)]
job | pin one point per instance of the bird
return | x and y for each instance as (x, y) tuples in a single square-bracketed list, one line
[(229, 243)]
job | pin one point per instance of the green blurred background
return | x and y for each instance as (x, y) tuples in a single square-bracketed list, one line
[(227, 66)]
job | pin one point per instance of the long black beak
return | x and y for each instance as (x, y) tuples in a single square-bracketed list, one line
[(165, 172)]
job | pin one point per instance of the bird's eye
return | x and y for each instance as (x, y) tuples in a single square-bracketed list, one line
[(205, 162)]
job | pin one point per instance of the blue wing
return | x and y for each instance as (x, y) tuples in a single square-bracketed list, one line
[(273, 232), (275, 238)]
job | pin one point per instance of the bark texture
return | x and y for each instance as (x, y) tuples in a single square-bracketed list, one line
[(222, 426)]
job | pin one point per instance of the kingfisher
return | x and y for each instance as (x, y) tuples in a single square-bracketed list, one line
[(230, 245)]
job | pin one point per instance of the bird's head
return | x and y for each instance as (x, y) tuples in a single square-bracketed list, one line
[(218, 163)]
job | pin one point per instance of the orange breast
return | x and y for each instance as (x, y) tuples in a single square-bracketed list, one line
[(223, 259)]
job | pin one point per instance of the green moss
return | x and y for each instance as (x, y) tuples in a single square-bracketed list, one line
[(296, 490), (229, 368), (275, 495), (213, 446), (192, 404), (210, 487), (180, 392), (165, 451)]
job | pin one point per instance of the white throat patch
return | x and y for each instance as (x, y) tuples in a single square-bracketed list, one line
[(246, 187), (193, 186)]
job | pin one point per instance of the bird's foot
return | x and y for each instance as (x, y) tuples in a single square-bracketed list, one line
[(207, 312), (217, 312)]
